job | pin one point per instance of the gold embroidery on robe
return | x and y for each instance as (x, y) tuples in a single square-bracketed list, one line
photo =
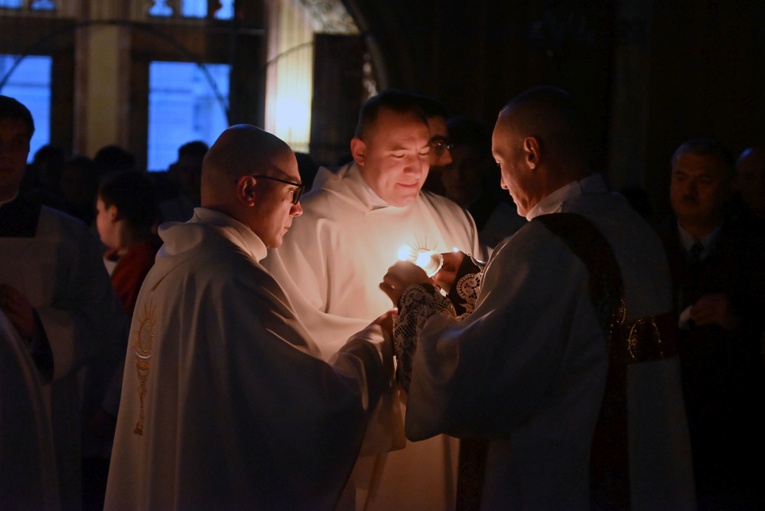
[(144, 340)]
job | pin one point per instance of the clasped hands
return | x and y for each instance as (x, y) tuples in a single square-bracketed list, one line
[(404, 274), (711, 309)]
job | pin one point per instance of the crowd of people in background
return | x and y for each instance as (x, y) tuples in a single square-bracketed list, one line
[(79, 235)]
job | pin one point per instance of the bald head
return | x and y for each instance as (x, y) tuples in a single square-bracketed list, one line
[(750, 180), (242, 150), (536, 143), (252, 176), (548, 114), (752, 159)]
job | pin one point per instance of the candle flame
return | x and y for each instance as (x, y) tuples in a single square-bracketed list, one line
[(423, 259), (428, 260)]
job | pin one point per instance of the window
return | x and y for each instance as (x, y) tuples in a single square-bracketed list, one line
[(29, 83), (191, 9), (43, 5), (194, 9), (183, 106), (36, 5)]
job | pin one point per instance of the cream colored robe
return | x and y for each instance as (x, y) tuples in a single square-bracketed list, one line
[(331, 264), (527, 369), (225, 403), (61, 274)]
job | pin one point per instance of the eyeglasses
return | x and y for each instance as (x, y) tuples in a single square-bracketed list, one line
[(440, 145), (295, 194)]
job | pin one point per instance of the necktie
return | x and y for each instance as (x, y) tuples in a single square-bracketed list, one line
[(694, 254)]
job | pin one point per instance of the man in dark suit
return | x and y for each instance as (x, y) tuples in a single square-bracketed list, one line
[(718, 276)]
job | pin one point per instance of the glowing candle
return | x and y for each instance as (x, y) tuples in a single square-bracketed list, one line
[(426, 259), (404, 253)]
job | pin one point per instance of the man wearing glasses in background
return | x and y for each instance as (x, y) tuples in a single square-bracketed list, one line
[(225, 401), (356, 223), (440, 143)]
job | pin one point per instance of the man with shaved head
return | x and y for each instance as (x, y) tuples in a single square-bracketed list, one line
[(749, 186), (226, 403), (566, 366)]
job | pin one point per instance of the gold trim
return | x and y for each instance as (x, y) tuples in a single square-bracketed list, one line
[(142, 350)]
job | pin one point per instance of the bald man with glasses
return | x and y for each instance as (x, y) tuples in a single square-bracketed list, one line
[(226, 403)]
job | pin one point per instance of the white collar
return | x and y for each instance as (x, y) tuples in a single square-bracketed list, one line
[(357, 183), (374, 200), (553, 203), (687, 240), (243, 235)]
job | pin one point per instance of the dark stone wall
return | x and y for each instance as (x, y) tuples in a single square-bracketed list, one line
[(475, 56), (707, 78)]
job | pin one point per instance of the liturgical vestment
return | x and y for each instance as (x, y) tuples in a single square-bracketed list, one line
[(331, 264), (55, 261), (225, 402), (27, 470), (527, 370)]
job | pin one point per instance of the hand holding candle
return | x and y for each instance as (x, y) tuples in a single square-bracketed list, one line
[(421, 266), (400, 276), (429, 260), (447, 275)]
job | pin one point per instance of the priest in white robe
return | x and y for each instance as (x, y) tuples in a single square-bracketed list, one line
[(60, 298), (225, 401), (527, 370), (357, 222)]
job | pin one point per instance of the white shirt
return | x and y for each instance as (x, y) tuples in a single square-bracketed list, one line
[(688, 241)]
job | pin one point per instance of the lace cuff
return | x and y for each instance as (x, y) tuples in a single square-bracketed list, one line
[(464, 293), (416, 305), (421, 301)]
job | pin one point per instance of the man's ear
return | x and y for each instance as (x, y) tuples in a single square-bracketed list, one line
[(531, 147), (245, 190), (114, 213), (358, 151)]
